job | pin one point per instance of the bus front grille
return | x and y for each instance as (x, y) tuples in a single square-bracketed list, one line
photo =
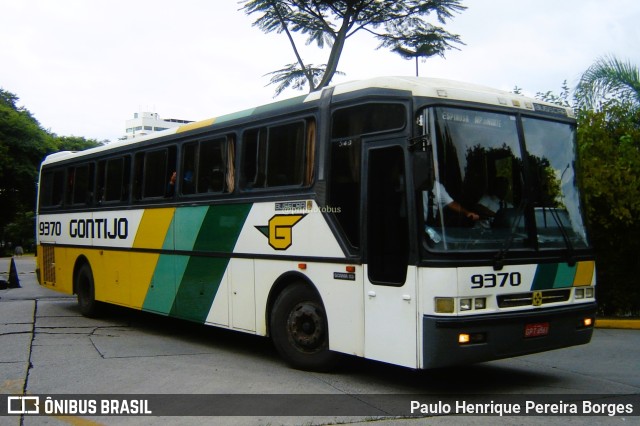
[(526, 299)]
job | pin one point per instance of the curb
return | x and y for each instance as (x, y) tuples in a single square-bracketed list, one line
[(628, 324)]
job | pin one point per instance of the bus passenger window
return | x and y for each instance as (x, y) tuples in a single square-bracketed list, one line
[(80, 185), (344, 187), (154, 172), (212, 166), (252, 170), (52, 189), (274, 156), (113, 180), (285, 155), (156, 176), (189, 154)]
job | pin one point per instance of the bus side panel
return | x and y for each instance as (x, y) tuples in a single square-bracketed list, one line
[(111, 275)]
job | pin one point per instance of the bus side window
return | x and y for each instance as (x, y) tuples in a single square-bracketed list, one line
[(156, 175), (187, 174), (285, 155), (253, 147), (80, 185), (138, 176), (153, 173), (344, 186), (113, 180), (310, 156), (212, 166), (277, 156), (52, 190)]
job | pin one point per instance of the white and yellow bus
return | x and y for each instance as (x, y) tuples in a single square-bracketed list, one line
[(414, 221)]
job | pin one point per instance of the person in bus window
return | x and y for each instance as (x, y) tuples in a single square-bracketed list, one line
[(438, 198), (171, 187)]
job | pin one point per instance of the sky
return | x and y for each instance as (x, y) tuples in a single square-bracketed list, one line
[(83, 67)]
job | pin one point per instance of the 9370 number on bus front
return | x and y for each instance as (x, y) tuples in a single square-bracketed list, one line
[(500, 279)]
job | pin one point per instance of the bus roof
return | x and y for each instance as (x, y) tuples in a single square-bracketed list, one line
[(417, 86)]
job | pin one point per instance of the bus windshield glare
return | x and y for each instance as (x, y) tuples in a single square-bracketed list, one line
[(502, 181)]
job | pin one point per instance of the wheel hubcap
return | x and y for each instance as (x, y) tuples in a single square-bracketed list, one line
[(306, 327)]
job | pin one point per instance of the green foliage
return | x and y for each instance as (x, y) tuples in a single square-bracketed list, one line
[(292, 76), (609, 158), (23, 146), (400, 26), (609, 78), (609, 152), (563, 99)]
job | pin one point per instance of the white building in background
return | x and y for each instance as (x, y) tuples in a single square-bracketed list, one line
[(144, 123)]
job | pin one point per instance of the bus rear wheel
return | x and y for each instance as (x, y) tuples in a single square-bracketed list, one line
[(299, 329), (89, 306)]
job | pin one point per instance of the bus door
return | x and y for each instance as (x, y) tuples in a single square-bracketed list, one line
[(390, 283)]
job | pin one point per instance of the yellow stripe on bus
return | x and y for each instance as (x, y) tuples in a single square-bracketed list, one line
[(584, 273), (151, 235), (196, 125)]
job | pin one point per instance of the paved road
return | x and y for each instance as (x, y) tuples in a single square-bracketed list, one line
[(47, 347)]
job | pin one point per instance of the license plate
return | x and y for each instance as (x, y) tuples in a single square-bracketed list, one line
[(536, 330)]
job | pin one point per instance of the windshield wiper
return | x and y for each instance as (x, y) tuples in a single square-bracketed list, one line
[(498, 259), (565, 236)]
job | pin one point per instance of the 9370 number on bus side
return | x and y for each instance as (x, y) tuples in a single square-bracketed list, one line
[(501, 279), (50, 229)]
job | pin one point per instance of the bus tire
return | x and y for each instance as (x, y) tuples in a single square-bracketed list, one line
[(299, 329), (85, 290)]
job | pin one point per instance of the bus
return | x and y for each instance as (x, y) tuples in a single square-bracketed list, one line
[(414, 221)]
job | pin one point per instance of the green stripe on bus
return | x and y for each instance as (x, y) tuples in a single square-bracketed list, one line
[(545, 276), (553, 275), (188, 225), (162, 289), (564, 276), (221, 228), (219, 231)]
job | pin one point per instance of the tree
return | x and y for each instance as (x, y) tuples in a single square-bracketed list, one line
[(400, 26), (609, 161), (608, 78), (562, 99), (23, 146)]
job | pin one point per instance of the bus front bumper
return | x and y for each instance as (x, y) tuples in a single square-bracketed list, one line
[(504, 335)]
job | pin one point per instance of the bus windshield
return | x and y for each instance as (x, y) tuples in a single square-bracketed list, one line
[(501, 182)]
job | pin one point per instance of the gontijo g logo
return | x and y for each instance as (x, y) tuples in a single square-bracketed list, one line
[(279, 231)]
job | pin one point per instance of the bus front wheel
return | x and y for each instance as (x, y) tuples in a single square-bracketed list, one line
[(299, 329), (89, 306)]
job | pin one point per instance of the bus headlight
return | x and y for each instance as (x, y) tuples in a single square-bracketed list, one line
[(465, 304), (480, 303), (589, 292), (445, 305), (579, 293)]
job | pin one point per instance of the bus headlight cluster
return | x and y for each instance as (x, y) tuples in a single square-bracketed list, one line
[(585, 293), (447, 305), (469, 304)]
